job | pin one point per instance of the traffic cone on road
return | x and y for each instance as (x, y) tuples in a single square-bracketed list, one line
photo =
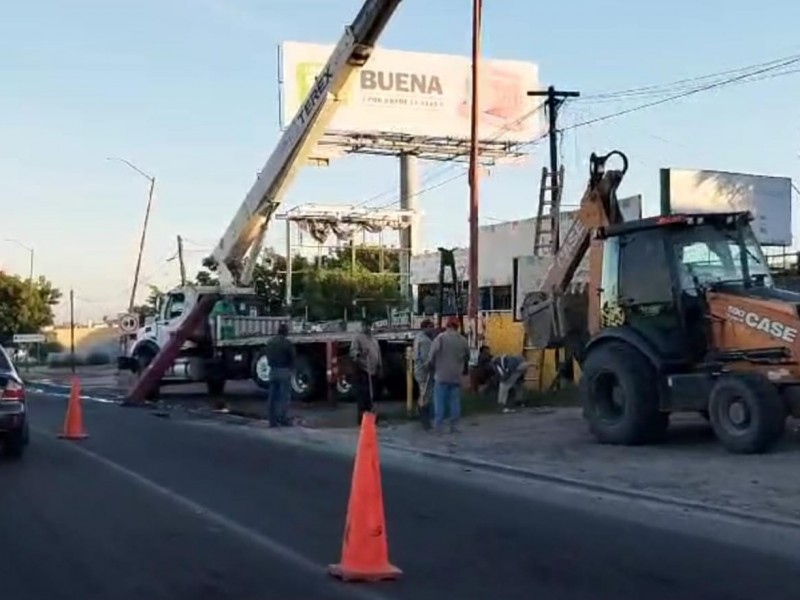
[(73, 420), (365, 554)]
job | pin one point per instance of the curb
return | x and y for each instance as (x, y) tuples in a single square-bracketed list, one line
[(582, 484), (487, 466)]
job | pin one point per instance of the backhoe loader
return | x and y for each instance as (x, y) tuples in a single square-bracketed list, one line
[(680, 314)]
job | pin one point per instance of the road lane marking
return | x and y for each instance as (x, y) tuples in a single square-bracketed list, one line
[(58, 394), (265, 543)]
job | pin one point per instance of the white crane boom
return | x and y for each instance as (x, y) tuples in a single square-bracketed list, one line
[(238, 249)]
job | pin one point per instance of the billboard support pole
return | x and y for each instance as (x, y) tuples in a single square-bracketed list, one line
[(408, 235)]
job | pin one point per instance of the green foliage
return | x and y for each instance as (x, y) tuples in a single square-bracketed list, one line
[(25, 307), (330, 287), (148, 309)]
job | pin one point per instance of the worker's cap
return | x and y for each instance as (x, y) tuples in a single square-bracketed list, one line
[(453, 322)]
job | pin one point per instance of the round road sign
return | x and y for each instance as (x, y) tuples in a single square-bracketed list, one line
[(129, 323)]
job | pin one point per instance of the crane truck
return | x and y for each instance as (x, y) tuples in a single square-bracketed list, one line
[(186, 343), (681, 314)]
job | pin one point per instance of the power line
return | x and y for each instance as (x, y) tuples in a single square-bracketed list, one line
[(697, 90), (660, 89), (765, 71)]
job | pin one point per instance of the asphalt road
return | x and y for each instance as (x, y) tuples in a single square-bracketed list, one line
[(188, 509)]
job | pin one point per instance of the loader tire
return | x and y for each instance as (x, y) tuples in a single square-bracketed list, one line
[(746, 412), (619, 392)]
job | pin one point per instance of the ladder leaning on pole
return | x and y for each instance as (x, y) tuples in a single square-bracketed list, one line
[(546, 229)]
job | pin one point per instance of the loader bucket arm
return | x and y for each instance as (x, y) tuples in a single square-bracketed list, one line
[(543, 310)]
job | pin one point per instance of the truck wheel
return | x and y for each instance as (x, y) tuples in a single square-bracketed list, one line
[(260, 369), (620, 396), (306, 379), (344, 389), (746, 412)]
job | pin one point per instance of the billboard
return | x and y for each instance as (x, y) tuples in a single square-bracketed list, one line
[(419, 94), (769, 199)]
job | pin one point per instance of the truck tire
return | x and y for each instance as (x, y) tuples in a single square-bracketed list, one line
[(344, 389), (746, 412), (619, 392), (260, 369), (307, 380)]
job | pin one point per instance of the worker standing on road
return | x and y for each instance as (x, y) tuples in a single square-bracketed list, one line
[(448, 356), (281, 356), (365, 352), (422, 371)]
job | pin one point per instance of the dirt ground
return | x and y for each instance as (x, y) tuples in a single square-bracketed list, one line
[(690, 465)]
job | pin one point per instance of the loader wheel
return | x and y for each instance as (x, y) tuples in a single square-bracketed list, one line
[(620, 396), (746, 412)]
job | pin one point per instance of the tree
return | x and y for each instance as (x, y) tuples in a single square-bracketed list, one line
[(25, 307), (328, 288), (149, 308)]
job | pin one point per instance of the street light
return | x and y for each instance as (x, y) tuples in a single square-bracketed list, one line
[(30, 252), (152, 181)]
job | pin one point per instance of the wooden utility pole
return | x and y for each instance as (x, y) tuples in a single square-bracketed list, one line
[(553, 100), (474, 182), (181, 264)]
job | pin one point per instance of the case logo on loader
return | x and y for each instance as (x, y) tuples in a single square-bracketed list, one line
[(758, 322)]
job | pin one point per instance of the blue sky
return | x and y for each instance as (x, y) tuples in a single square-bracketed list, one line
[(187, 90)]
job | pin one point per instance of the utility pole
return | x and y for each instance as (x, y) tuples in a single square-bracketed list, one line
[(474, 180), (181, 264), (132, 302), (152, 181), (553, 100), (72, 330)]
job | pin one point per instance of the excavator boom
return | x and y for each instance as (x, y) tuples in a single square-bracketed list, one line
[(543, 311)]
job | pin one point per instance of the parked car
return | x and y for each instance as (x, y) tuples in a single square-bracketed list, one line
[(13, 408)]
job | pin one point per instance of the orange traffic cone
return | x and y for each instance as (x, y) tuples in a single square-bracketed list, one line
[(73, 421), (365, 554)]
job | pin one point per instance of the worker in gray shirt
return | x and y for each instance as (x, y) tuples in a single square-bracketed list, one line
[(448, 356), (365, 352), (422, 371)]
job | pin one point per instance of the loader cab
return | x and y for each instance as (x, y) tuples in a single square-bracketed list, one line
[(655, 273)]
